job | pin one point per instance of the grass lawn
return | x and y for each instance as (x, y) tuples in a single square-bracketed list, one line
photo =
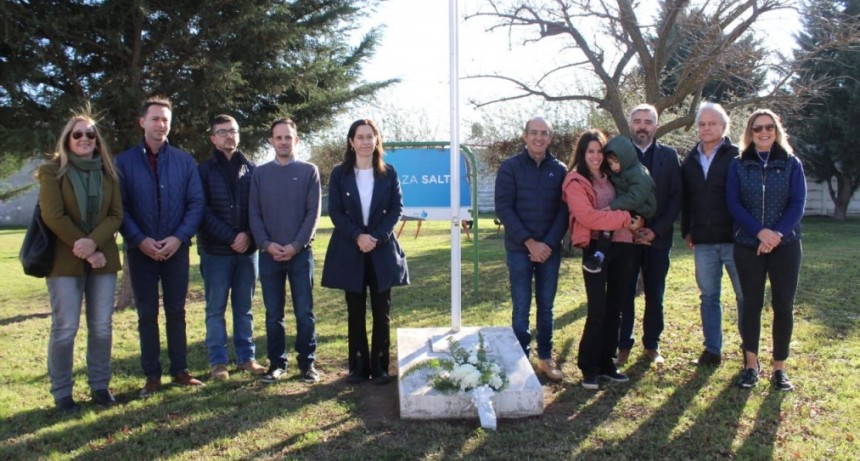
[(671, 412)]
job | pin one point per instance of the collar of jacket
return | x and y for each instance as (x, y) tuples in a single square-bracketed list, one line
[(547, 156), (776, 153)]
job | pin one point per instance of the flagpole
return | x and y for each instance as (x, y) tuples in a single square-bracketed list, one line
[(454, 85)]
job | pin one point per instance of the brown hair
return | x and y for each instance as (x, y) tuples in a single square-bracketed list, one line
[(378, 152)]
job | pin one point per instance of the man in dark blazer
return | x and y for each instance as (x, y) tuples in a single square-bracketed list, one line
[(655, 238)]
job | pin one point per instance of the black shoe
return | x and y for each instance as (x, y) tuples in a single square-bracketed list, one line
[(590, 382), (273, 375), (381, 378), (354, 377), (708, 358), (310, 375), (780, 381), (67, 405), (615, 377), (104, 398), (748, 378), (592, 265)]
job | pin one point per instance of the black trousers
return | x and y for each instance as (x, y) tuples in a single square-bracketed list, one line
[(782, 267), (376, 360), (606, 292)]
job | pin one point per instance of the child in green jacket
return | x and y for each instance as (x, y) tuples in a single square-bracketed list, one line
[(634, 192)]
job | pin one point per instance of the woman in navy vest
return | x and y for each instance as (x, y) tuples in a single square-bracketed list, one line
[(766, 195), (365, 203)]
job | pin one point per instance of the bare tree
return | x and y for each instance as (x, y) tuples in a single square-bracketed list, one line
[(624, 50)]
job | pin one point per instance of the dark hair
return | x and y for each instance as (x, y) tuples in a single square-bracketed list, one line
[(221, 119), (579, 149), (155, 101), (378, 152), (283, 121)]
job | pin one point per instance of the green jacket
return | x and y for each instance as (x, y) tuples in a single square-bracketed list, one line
[(62, 215), (634, 188)]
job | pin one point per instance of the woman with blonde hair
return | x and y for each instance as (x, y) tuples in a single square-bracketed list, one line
[(766, 195), (80, 200)]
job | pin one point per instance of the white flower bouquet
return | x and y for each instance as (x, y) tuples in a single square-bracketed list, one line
[(467, 371)]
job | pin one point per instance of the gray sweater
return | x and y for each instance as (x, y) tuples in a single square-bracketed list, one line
[(285, 204)]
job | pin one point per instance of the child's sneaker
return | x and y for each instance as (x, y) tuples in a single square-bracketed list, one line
[(594, 263)]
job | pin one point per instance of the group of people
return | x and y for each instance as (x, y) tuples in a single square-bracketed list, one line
[(740, 208), (251, 221)]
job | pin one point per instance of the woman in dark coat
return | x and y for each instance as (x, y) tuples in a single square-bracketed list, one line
[(365, 204)]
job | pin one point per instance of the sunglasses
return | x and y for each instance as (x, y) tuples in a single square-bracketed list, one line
[(769, 127), (79, 134)]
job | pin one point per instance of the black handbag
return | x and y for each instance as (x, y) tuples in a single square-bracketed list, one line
[(37, 251)]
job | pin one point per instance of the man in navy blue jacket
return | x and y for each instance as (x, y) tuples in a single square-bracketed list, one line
[(655, 238), (528, 202), (228, 254), (163, 204)]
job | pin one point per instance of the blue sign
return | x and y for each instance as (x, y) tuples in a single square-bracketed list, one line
[(425, 177)]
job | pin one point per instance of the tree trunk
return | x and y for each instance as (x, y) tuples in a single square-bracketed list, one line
[(125, 298), (844, 191)]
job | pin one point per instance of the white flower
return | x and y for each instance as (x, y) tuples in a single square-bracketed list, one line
[(473, 358), (496, 382)]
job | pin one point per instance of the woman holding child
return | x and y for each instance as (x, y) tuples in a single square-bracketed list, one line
[(588, 193)]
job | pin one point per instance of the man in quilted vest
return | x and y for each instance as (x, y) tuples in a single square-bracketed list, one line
[(228, 253)]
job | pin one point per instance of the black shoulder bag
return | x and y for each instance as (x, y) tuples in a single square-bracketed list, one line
[(37, 251)]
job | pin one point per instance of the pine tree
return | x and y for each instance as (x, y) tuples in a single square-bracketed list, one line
[(255, 59), (825, 129)]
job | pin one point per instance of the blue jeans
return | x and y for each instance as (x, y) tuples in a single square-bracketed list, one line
[(710, 259), (654, 264), (66, 294), (173, 274), (234, 276), (273, 277), (545, 276)]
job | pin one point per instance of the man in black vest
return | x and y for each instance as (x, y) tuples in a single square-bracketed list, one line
[(706, 224), (228, 254)]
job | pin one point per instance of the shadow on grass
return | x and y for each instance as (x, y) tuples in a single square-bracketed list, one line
[(760, 444), (24, 318), (174, 420)]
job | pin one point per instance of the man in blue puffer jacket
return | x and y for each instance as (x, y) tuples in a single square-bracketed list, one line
[(163, 204), (228, 254), (528, 202)]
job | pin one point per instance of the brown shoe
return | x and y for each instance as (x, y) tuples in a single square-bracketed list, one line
[(550, 370), (219, 372), (152, 385), (654, 356), (251, 366), (184, 379), (623, 357)]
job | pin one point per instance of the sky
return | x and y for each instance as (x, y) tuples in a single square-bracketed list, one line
[(415, 49)]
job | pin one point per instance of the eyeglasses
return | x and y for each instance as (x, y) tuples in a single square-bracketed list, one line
[(79, 134), (536, 133), (769, 127), (225, 133)]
